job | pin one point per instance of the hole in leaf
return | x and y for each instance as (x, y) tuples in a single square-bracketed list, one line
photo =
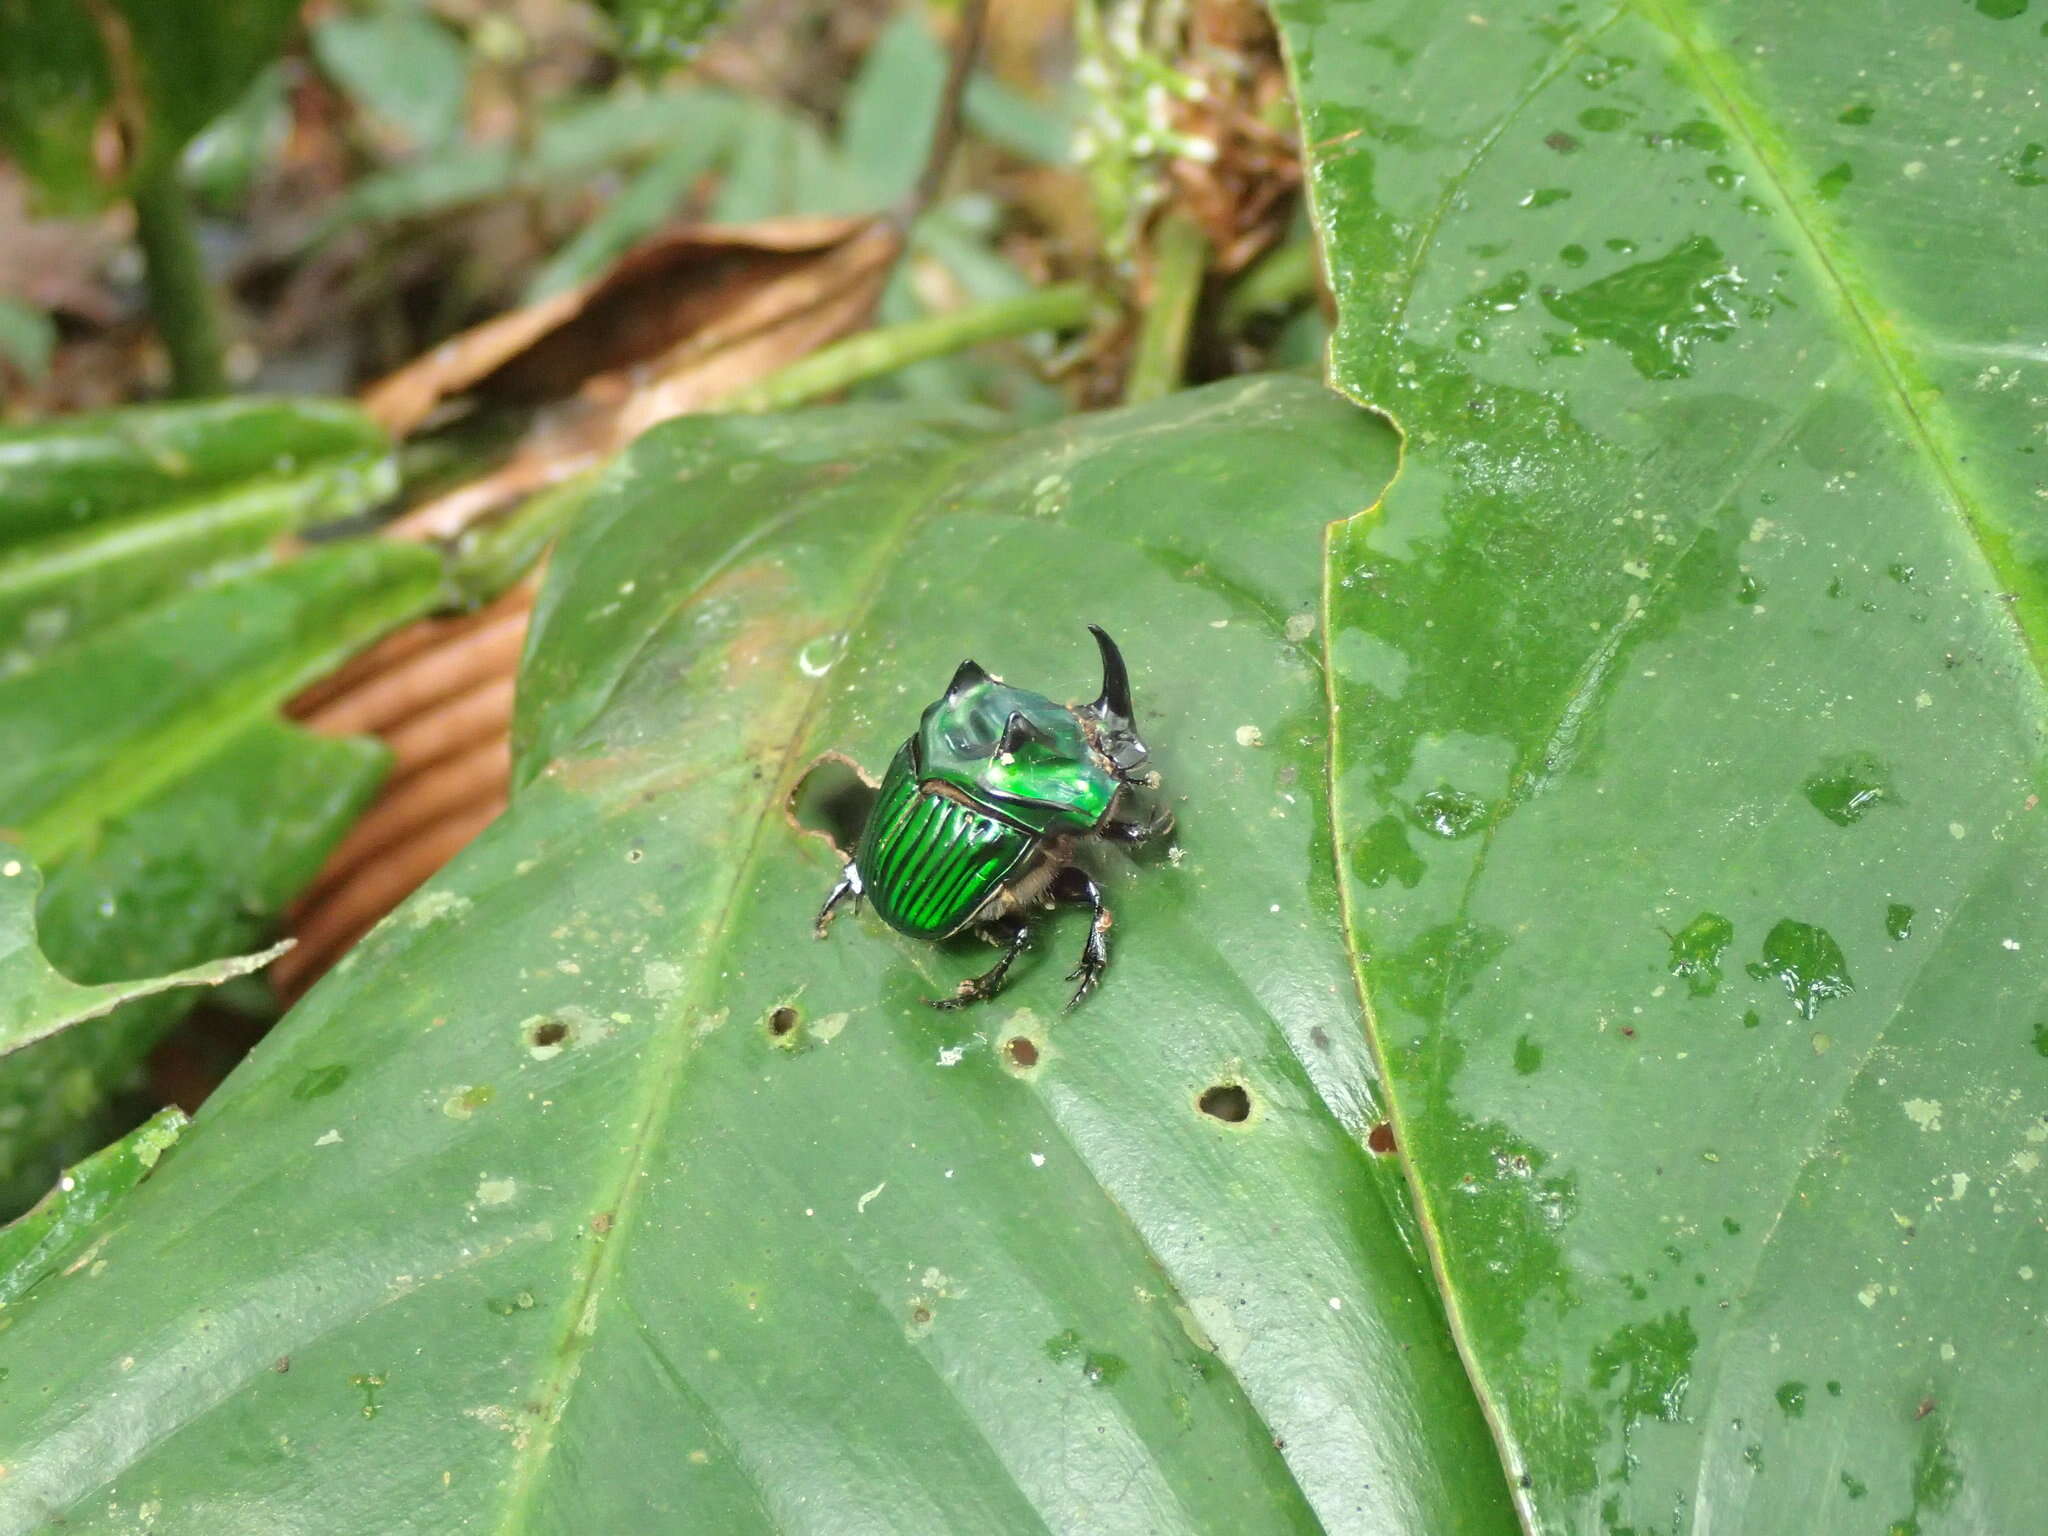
[(1381, 1138), (1226, 1101), (1023, 1051), (549, 1032), (832, 800), (782, 1021)]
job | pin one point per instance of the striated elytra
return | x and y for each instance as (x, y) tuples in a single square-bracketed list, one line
[(982, 810)]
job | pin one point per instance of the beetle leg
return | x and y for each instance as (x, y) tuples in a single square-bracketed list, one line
[(1132, 833), (1073, 885), (979, 989), (849, 885)]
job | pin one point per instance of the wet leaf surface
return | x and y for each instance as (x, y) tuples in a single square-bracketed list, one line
[(590, 1148), (1713, 585)]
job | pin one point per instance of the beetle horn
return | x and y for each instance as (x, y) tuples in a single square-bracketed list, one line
[(1113, 709), (967, 675), (1017, 730), (1117, 730)]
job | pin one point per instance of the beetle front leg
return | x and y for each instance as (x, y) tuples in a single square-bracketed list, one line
[(1073, 885), (849, 885), (979, 989), (1140, 830)]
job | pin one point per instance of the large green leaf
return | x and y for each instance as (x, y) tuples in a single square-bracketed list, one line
[(81, 472), (1690, 733), (201, 869), (101, 726), (37, 1000), (590, 1194)]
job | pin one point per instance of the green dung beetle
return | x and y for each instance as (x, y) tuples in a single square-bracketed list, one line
[(981, 812)]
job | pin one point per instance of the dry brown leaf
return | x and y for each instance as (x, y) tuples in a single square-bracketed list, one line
[(659, 294), (678, 324), (697, 314)]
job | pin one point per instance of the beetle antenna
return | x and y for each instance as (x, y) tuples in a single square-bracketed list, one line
[(967, 675)]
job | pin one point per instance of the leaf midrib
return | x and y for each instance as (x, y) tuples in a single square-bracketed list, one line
[(651, 1116), (1714, 78)]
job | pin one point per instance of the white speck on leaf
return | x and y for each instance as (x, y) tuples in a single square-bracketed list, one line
[(436, 905), (1250, 736), (1925, 1113), (328, 1140), (949, 1056), (1038, 1159), (1869, 1294), (496, 1191), (860, 1206)]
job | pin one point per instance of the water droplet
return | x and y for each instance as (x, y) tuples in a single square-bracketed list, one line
[(318, 1082), (1383, 854), (1898, 921), (1792, 1398), (1857, 115), (2024, 165), (1808, 961), (1573, 255), (820, 655), (1696, 951), (1529, 1056), (1504, 297), (1604, 119), (1658, 311), (1448, 812), (1846, 789), (1751, 592), (1832, 180)]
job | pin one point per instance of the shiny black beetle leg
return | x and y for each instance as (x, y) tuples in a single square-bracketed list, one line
[(979, 989), (1074, 886)]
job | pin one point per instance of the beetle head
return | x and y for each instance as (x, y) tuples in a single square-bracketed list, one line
[(1116, 730), (1019, 752)]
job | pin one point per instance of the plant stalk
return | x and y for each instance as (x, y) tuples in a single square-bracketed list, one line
[(1180, 255), (874, 353), (1282, 278), (490, 557), (180, 297)]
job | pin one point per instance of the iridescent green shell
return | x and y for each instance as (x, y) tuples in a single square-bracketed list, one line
[(926, 860), (1051, 782)]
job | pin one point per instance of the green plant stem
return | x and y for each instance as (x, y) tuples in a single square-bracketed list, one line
[(180, 297), (1180, 253), (490, 557), (874, 353), (1282, 278)]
